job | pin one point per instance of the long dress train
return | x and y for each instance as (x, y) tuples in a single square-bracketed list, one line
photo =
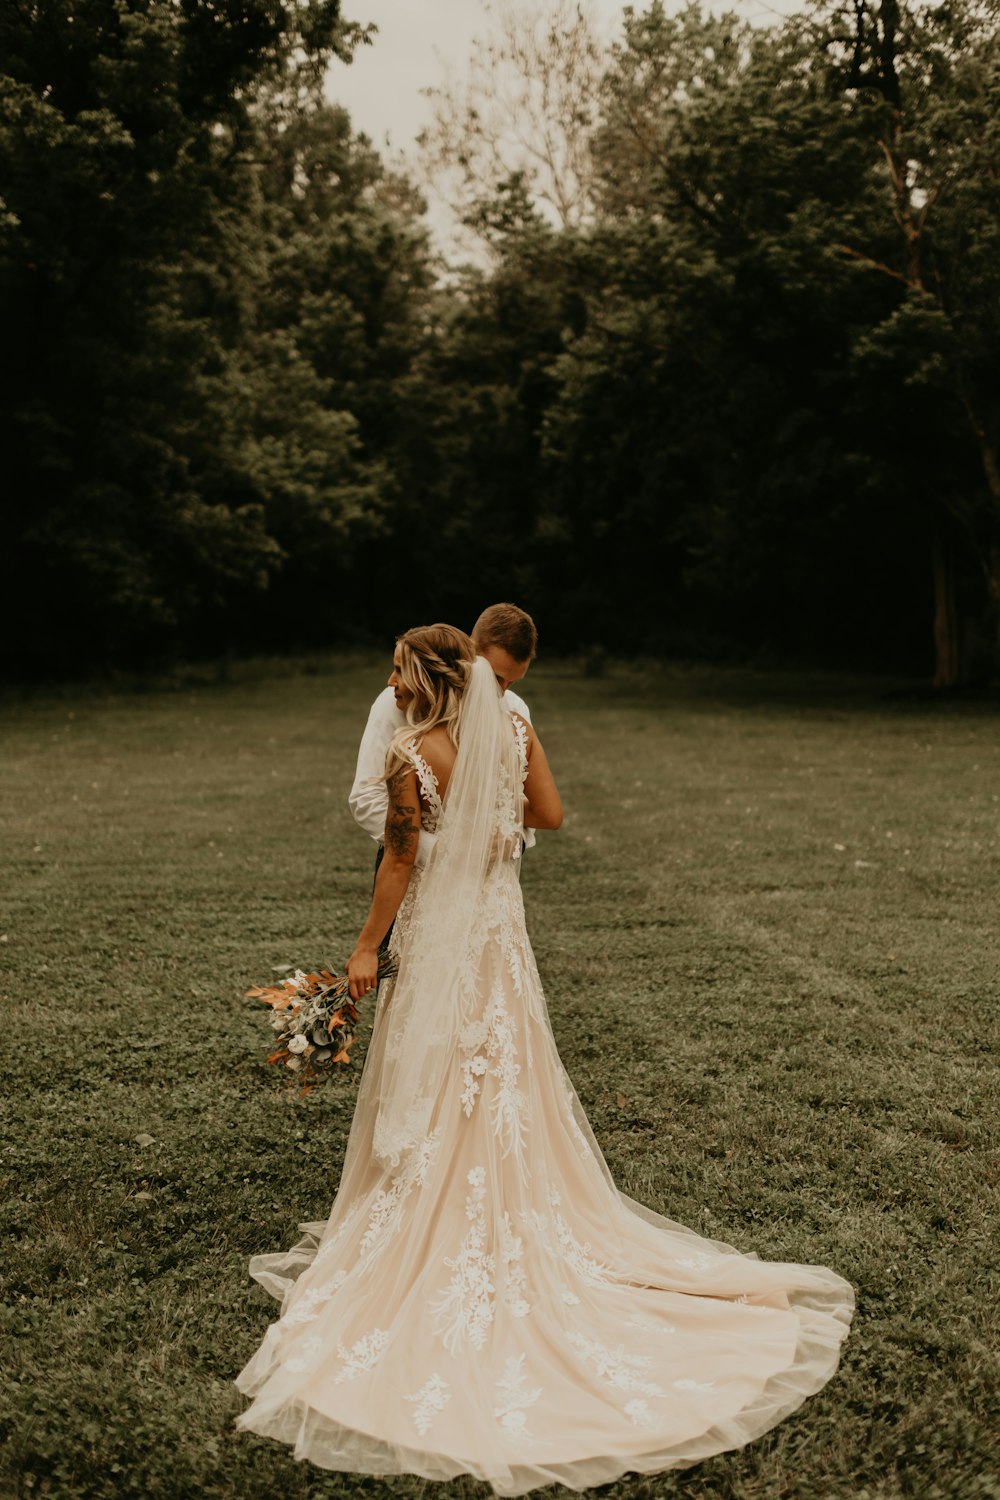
[(495, 1306)]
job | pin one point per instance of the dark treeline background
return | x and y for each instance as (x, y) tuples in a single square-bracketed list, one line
[(742, 394)]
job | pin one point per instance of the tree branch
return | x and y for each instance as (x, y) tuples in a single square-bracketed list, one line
[(876, 265)]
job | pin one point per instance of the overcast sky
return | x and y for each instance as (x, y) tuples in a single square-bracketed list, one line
[(419, 39), (381, 88), (416, 40)]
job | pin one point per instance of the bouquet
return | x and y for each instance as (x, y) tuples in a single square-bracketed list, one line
[(315, 1018)]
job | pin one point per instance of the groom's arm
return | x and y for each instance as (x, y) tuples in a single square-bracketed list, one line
[(369, 798), (511, 700)]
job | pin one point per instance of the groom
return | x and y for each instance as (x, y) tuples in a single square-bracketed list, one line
[(507, 637)]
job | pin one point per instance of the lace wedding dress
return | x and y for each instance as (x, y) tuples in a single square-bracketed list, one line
[(492, 1305)]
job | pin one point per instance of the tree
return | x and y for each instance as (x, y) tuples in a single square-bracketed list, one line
[(935, 73), (172, 447), (469, 429), (751, 151), (525, 111), (339, 316), (702, 428)]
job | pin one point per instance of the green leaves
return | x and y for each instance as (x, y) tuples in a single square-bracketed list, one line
[(206, 306)]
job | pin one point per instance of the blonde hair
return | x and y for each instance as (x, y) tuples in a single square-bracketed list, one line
[(510, 628), (434, 664)]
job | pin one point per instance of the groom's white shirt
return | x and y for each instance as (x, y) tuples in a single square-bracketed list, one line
[(369, 799)]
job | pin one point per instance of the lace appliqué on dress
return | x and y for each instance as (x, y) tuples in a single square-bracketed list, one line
[(430, 792), (496, 1036), (513, 1399), (365, 1354), (472, 1068), (512, 1253), (521, 736), (432, 1397), (386, 1215), (561, 1244), (306, 1307), (311, 1349), (616, 1367), (649, 1325), (466, 1308), (510, 798)]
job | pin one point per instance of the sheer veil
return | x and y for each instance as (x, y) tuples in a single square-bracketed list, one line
[(434, 991)]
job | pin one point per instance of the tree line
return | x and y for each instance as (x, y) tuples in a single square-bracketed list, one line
[(722, 378)]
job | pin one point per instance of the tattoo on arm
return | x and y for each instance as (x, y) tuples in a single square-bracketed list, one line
[(402, 826)]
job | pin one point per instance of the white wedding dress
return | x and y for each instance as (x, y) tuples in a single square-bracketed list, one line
[(494, 1306)]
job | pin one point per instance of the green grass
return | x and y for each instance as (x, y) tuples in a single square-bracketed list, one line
[(768, 931)]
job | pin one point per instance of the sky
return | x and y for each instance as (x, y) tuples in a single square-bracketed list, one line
[(418, 41)]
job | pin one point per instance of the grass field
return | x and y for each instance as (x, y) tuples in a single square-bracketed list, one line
[(768, 932)]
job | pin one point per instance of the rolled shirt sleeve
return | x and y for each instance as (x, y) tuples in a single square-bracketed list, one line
[(369, 799)]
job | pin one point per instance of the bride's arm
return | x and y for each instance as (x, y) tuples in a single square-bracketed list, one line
[(402, 832), (543, 805)]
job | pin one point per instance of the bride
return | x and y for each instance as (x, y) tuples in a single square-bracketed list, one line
[(482, 1300)]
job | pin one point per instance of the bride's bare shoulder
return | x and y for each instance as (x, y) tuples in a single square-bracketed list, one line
[(438, 751)]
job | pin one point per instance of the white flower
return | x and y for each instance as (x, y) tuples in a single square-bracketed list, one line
[(294, 1063), (474, 1035), (298, 1044)]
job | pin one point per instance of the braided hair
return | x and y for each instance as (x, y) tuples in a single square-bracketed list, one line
[(434, 663)]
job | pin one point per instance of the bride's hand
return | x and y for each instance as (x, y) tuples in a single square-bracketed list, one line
[(362, 971)]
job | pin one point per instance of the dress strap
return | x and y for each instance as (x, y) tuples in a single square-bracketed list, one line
[(521, 736), (429, 789)]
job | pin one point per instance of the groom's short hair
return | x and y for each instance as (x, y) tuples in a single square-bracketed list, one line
[(508, 627)]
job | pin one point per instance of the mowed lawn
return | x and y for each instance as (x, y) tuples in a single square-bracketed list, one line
[(769, 935)]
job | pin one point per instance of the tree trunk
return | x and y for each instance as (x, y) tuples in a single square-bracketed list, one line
[(991, 553), (947, 648), (993, 584)]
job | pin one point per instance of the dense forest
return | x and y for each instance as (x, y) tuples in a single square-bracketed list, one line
[(722, 378)]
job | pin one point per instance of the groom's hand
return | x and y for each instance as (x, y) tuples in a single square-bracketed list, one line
[(362, 971)]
